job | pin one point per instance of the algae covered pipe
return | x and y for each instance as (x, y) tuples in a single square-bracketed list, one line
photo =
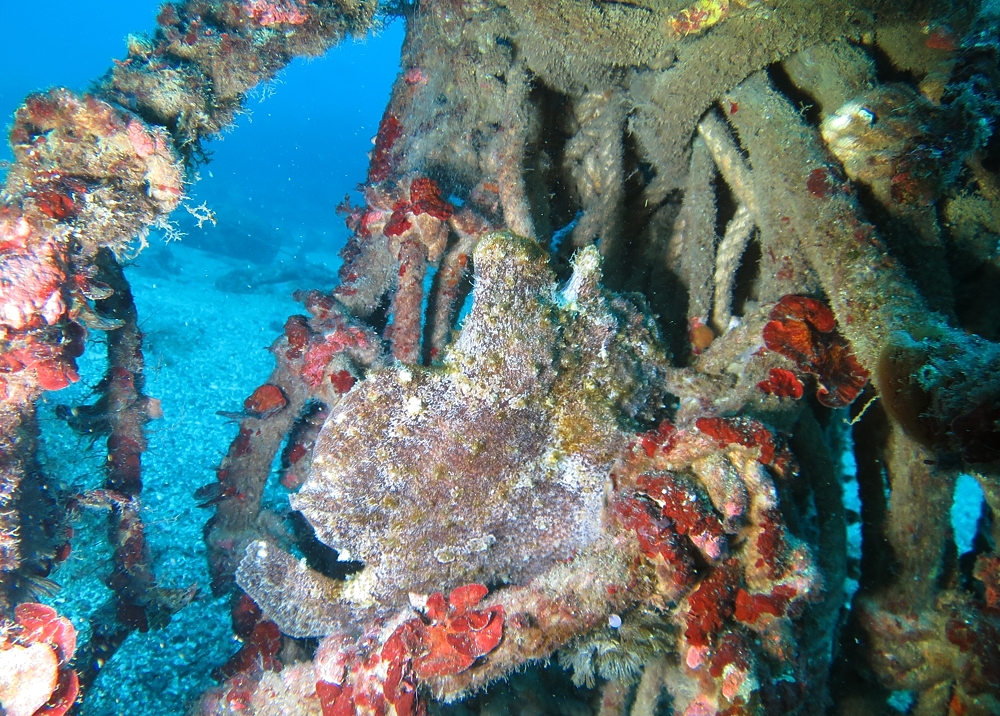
[(941, 384)]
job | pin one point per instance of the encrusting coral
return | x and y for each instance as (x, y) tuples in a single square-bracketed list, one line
[(700, 242), (36, 648)]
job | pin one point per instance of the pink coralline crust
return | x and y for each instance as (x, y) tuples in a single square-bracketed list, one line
[(805, 331), (31, 290), (142, 142), (415, 76), (750, 607), (659, 439), (297, 334), (14, 230), (447, 639), (261, 642), (454, 634), (771, 544), (701, 706), (425, 198), (782, 383), (265, 401), (107, 142), (689, 513), (266, 13), (711, 604), (399, 223), (732, 663), (370, 221), (657, 540), (731, 650), (320, 352), (382, 165), (54, 370), (54, 205), (742, 431), (40, 624)]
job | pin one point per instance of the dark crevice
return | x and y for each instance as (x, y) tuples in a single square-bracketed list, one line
[(318, 556), (808, 106), (887, 71), (551, 192), (726, 205), (745, 283)]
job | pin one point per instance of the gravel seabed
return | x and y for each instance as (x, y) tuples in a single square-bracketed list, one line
[(205, 351)]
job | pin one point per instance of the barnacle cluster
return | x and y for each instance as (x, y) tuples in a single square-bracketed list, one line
[(710, 249)]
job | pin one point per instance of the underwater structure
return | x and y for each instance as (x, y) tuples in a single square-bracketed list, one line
[(705, 251)]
